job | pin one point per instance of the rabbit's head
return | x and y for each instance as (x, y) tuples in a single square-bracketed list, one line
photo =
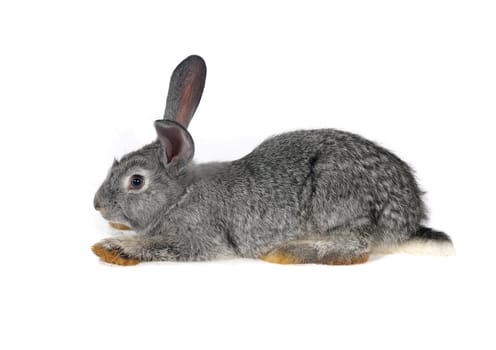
[(144, 182)]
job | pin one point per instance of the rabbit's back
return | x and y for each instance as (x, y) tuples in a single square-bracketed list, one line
[(311, 182)]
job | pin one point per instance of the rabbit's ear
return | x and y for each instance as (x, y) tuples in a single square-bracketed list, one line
[(185, 90), (177, 143)]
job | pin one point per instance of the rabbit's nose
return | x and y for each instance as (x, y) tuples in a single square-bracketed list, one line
[(96, 204)]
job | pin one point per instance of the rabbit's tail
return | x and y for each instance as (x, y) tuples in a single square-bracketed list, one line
[(425, 241)]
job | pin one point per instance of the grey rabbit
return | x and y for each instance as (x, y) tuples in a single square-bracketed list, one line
[(311, 196)]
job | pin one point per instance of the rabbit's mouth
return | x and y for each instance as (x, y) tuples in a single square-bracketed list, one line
[(118, 226), (114, 224)]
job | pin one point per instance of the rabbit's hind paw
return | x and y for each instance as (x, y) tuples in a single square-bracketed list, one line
[(281, 257), (359, 259), (329, 252)]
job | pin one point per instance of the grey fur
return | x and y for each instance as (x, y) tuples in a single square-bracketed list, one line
[(315, 194)]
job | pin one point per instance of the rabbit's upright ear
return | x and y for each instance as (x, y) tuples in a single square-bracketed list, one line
[(177, 143), (185, 90)]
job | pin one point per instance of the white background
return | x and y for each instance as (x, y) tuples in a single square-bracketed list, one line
[(82, 82)]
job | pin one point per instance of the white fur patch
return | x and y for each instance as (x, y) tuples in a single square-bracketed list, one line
[(419, 247)]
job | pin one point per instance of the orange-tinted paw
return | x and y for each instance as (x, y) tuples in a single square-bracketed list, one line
[(113, 256), (355, 260), (119, 226), (280, 257)]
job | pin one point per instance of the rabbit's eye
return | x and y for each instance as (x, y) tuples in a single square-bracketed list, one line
[(136, 182)]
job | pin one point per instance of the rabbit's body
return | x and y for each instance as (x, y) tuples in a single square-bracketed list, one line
[(312, 196), (336, 182)]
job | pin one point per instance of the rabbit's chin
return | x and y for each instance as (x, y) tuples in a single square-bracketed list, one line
[(118, 226)]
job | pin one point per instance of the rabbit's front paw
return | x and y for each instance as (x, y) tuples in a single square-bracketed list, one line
[(112, 251)]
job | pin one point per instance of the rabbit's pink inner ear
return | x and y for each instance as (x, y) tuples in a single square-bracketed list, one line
[(191, 95), (186, 108), (176, 144)]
